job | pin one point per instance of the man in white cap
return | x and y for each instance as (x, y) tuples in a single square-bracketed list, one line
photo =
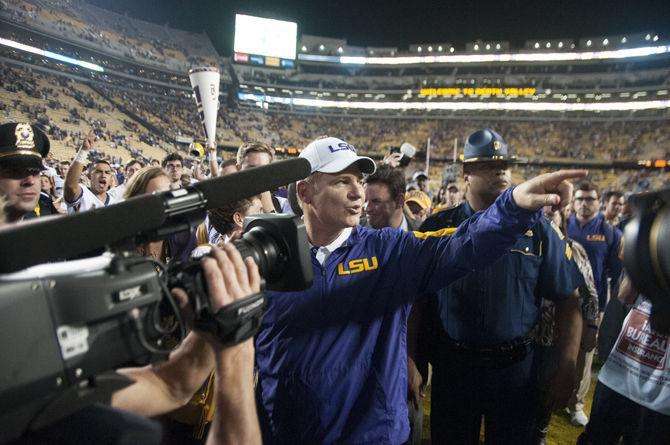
[(332, 359)]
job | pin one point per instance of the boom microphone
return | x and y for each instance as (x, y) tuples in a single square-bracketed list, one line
[(140, 219)]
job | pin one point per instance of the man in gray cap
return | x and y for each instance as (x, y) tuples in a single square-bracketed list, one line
[(22, 147)]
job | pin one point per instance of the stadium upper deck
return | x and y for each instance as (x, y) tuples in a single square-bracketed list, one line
[(117, 35)]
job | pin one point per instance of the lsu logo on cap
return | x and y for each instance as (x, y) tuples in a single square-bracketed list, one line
[(357, 266), (25, 138), (342, 146)]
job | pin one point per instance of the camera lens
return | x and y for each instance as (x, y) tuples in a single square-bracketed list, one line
[(659, 241), (261, 246)]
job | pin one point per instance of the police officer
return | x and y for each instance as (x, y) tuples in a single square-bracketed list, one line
[(22, 147), (478, 334)]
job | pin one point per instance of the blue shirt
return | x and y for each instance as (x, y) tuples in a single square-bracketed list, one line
[(602, 243), (332, 359), (501, 302)]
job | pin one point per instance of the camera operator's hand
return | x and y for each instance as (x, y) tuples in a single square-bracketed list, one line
[(164, 387), (228, 276), (549, 189), (231, 278)]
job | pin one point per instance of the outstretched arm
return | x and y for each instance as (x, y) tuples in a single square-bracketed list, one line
[(486, 236), (71, 187), (167, 386)]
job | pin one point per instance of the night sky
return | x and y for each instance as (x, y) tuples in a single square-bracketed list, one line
[(396, 23)]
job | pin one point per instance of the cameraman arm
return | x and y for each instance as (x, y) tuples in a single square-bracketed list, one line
[(167, 386), (235, 419)]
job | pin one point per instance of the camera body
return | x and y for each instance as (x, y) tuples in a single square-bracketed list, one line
[(77, 331), (71, 324), (647, 249)]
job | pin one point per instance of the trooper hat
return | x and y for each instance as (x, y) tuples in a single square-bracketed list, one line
[(486, 146), (332, 155), (22, 145)]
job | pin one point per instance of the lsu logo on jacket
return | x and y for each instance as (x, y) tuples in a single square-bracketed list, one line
[(357, 266)]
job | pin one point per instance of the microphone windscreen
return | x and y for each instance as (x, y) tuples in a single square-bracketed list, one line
[(65, 237), (250, 182)]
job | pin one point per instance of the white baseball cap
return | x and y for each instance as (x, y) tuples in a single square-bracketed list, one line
[(332, 155)]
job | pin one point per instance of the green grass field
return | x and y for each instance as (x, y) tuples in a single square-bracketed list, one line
[(561, 431)]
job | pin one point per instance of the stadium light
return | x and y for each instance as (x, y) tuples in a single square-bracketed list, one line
[(537, 45), (655, 39), (647, 37), (430, 49), (52, 55), (476, 47), (588, 43), (304, 48), (321, 47), (498, 46), (451, 50), (560, 44), (606, 42), (418, 48), (488, 46), (624, 40), (621, 53), (339, 49), (464, 106), (548, 45)]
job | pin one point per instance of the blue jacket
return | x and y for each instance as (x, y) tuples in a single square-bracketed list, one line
[(502, 302), (332, 359)]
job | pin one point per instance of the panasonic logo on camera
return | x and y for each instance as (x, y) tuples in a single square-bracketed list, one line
[(248, 308)]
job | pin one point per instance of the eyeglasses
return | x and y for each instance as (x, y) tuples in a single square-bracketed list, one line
[(18, 172)]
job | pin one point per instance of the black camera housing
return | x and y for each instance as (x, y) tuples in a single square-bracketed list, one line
[(647, 247)]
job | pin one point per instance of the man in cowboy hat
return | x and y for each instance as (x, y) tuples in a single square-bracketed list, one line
[(477, 332)]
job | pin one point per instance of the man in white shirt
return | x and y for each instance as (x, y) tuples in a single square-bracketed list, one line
[(80, 198)]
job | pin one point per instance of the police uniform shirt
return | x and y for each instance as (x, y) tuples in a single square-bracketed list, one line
[(87, 200), (502, 302), (603, 252)]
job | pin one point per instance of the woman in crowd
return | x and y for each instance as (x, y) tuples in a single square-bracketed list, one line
[(149, 180)]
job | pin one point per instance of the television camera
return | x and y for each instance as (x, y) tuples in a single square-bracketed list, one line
[(78, 302)]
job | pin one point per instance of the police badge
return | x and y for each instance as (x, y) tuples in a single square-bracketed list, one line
[(25, 138)]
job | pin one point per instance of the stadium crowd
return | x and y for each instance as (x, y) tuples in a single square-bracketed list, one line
[(531, 355)]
